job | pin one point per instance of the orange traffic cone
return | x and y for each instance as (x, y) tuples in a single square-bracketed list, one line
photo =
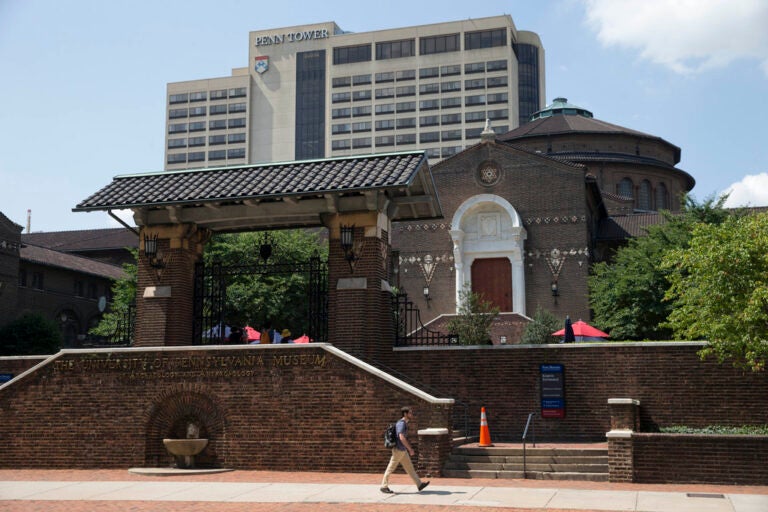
[(485, 434)]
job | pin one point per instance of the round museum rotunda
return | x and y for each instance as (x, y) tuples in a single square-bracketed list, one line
[(635, 171)]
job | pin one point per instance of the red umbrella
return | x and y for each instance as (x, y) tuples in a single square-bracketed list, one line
[(302, 339), (582, 328), (253, 334)]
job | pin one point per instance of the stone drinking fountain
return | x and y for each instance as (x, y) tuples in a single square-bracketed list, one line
[(184, 450)]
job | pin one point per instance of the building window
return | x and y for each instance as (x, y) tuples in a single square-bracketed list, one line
[(406, 106), (385, 140), (197, 111), (196, 156), (196, 141), (439, 44), (499, 97), (385, 92), (385, 108), (498, 114), (429, 121), (472, 133), (198, 96), (238, 122), (661, 197), (450, 86), (219, 95), (625, 188), (176, 113), (236, 153), (429, 72), (341, 97), (340, 144), (485, 39), (433, 153), (429, 104), (496, 65), (351, 54), (388, 124), (451, 135), (177, 128), (475, 83), (406, 90), (451, 102), (219, 154), (477, 99), (406, 74), (429, 88), (239, 92), (474, 116), (450, 118), (450, 151), (178, 98), (364, 110), (215, 140), (406, 138), (361, 127), (218, 109), (341, 128), (361, 95), (235, 138), (218, 124), (197, 126), (644, 195), (340, 113), (406, 122), (310, 119), (341, 81), (395, 49), (497, 81), (385, 77), (177, 143), (453, 69), (236, 107), (474, 67), (429, 137), (37, 280), (361, 79), (362, 142), (177, 158)]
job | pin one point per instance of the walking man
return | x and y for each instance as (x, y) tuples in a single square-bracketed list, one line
[(401, 454)]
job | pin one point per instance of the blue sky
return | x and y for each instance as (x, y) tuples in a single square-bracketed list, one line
[(84, 82)]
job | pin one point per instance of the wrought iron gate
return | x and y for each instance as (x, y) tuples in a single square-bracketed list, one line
[(212, 282)]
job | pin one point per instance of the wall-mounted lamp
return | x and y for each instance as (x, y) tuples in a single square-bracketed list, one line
[(265, 249), (426, 295), (150, 251), (349, 247), (555, 292)]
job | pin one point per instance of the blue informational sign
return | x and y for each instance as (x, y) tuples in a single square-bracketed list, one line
[(5, 377), (552, 391)]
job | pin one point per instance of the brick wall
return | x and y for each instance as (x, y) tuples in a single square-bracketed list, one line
[(687, 458), (281, 407), (673, 386)]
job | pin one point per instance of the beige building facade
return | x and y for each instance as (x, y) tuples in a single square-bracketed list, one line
[(316, 91)]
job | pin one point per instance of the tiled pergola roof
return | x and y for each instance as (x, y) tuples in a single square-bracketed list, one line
[(291, 194)]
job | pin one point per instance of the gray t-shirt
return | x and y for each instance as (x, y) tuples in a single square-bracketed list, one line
[(401, 428)]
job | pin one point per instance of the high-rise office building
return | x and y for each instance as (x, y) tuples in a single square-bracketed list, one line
[(315, 91)]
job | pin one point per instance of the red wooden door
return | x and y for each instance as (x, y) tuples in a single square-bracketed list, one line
[(492, 278)]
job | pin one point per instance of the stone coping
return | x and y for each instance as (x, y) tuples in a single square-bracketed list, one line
[(564, 346)]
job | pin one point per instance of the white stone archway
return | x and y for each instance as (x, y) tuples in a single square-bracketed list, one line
[(488, 226)]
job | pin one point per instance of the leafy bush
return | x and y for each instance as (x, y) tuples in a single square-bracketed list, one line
[(473, 322), (30, 334), (540, 330)]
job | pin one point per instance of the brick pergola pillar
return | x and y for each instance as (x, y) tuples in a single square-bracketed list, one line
[(165, 285), (359, 298), (625, 420)]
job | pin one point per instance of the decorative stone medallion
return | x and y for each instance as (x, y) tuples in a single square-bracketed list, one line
[(488, 173)]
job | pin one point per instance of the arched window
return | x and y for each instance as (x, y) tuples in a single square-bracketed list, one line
[(644, 195), (661, 197), (625, 188)]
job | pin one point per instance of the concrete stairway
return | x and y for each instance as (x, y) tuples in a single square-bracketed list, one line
[(551, 463)]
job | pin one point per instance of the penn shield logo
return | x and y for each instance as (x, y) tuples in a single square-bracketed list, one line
[(262, 64)]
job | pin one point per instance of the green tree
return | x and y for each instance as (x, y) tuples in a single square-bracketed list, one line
[(30, 334), (719, 289), (473, 322), (253, 299), (540, 330), (123, 296), (627, 294)]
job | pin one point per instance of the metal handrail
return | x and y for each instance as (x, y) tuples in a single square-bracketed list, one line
[(529, 423)]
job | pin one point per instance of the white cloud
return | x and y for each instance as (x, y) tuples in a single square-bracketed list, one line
[(686, 36), (752, 190)]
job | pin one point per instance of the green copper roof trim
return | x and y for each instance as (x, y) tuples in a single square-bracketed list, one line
[(560, 106)]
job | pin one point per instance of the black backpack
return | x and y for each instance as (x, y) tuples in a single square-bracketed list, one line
[(390, 436)]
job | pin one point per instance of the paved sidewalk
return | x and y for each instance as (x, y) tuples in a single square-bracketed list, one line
[(78, 490)]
